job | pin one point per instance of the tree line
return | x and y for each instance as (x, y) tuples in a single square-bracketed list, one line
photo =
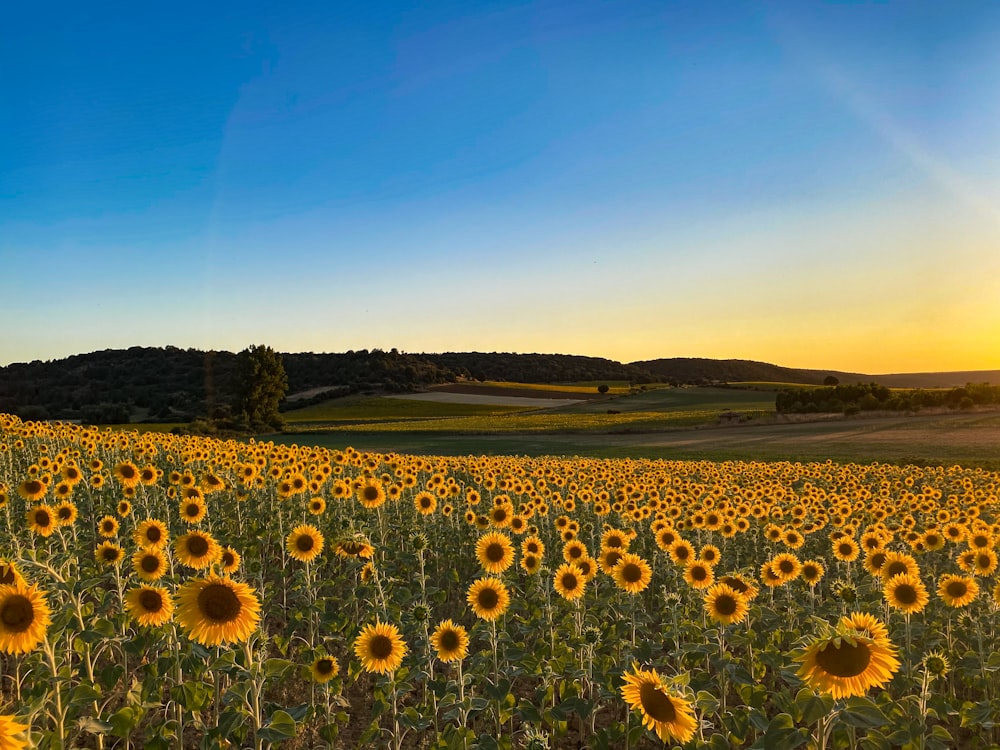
[(859, 397)]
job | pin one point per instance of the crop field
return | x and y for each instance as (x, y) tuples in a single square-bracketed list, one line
[(165, 591)]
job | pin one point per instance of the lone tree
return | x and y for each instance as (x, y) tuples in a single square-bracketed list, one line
[(261, 384), (603, 388), (831, 380)]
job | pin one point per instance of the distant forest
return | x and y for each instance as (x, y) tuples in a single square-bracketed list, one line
[(177, 385)]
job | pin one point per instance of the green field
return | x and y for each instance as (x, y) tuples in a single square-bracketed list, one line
[(377, 408)]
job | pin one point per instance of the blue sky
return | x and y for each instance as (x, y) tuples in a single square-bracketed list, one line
[(812, 184)]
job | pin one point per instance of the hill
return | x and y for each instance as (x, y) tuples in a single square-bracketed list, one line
[(171, 384)]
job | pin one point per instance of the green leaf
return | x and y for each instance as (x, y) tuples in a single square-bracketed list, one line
[(124, 721), (280, 727), (812, 707), (277, 668), (863, 713)]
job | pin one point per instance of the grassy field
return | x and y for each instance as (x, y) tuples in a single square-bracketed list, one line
[(376, 409)]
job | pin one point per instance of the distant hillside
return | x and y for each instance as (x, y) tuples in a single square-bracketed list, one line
[(703, 371), (171, 384), (695, 371)]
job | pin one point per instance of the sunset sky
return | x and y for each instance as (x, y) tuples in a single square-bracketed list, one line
[(809, 184)]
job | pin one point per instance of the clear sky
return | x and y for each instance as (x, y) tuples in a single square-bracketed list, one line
[(809, 184)]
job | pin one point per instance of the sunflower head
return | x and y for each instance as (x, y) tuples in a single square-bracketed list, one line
[(851, 660), (450, 641), (24, 618), (305, 543), (662, 710), (215, 610), (488, 598), (324, 668), (380, 648), (150, 606)]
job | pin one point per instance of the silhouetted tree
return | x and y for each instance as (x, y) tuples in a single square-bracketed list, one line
[(603, 388), (831, 380), (261, 384)]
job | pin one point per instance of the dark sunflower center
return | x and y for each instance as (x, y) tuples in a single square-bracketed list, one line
[(151, 601), (153, 534), (613, 558), (569, 582), (126, 471), (614, 542), (698, 573), (488, 599), (228, 559), (192, 509), (725, 604), (895, 568), (494, 552), (957, 589), (877, 560), (110, 554), (304, 543), (33, 486), (632, 573), (906, 594), (17, 613), (667, 539), (370, 493), (150, 564), (450, 640), (219, 603), (324, 666), (532, 548), (42, 518), (655, 704), (65, 513), (425, 502), (735, 583), (984, 562), (682, 553), (786, 567), (846, 549), (499, 515), (380, 647), (846, 661), (197, 546)]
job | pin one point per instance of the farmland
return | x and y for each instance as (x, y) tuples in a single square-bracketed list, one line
[(165, 590)]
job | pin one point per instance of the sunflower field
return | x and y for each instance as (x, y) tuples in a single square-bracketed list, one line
[(165, 591)]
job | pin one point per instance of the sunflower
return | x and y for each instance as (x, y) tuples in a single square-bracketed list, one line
[(324, 668), (896, 563), (710, 554), (24, 618), (32, 489), (664, 712), (197, 549), (666, 537), (608, 559), (532, 545), (846, 664), (108, 527), (957, 591), (371, 494), (305, 543), (150, 564), (846, 549), (317, 505), (812, 572), (875, 561), (10, 575), (229, 560), (588, 568), (193, 510), (354, 548), (632, 573), (699, 575), (450, 641), (215, 610), (725, 605), (151, 533), (531, 563), (576, 550), (150, 606), (13, 734), (786, 566), (488, 598), (906, 593), (569, 582), (615, 539), (500, 514), (681, 551), (127, 474), (109, 553), (42, 520), (740, 585), (495, 552), (425, 503), (66, 513), (380, 648)]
